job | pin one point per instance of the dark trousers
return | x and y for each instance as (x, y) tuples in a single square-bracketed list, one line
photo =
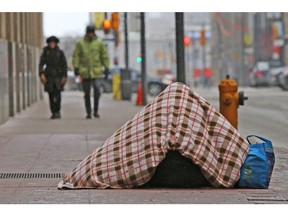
[(96, 84), (55, 101)]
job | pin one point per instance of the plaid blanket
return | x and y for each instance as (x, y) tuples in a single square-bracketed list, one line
[(178, 119)]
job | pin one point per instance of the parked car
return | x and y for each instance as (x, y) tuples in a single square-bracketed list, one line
[(283, 80), (259, 75), (155, 84), (279, 77), (275, 74)]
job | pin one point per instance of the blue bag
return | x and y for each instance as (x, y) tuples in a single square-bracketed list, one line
[(257, 169)]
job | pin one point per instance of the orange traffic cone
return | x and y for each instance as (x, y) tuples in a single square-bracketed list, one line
[(139, 101)]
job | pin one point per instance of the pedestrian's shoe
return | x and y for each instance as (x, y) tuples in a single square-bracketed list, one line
[(57, 115), (88, 116), (96, 115), (53, 116)]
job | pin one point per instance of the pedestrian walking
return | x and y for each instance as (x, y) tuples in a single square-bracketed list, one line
[(53, 74), (90, 57)]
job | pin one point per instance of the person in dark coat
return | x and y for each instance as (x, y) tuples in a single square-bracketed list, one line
[(53, 74)]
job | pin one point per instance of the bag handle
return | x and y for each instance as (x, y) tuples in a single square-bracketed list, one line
[(261, 138)]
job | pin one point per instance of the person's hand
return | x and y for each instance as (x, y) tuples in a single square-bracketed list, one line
[(43, 79), (63, 81)]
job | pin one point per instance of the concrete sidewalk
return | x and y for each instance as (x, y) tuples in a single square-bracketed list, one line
[(32, 143)]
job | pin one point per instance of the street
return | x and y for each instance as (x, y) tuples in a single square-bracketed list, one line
[(265, 113), (32, 143)]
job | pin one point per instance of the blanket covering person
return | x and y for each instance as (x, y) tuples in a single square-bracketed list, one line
[(179, 120)]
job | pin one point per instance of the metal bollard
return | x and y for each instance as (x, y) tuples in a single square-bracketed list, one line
[(116, 86), (230, 99)]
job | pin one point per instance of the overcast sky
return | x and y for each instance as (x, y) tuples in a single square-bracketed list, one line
[(61, 24)]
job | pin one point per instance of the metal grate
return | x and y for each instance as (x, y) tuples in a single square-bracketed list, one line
[(31, 175), (263, 199)]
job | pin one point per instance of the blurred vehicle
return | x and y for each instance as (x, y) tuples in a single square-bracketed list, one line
[(275, 75), (279, 77), (73, 83), (155, 84), (259, 75), (283, 79)]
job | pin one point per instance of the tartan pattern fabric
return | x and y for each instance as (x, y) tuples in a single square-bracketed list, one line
[(178, 119)]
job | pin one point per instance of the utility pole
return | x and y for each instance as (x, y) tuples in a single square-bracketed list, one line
[(143, 55), (126, 42), (125, 75), (180, 55), (91, 18), (243, 75), (220, 54), (204, 51)]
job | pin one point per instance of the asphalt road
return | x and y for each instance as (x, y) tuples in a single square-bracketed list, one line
[(266, 114)]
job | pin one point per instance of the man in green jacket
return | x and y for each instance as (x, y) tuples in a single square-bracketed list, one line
[(89, 58)]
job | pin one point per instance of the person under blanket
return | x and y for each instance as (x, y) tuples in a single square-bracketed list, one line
[(178, 122)]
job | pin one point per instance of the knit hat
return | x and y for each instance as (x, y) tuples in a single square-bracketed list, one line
[(52, 38), (90, 29)]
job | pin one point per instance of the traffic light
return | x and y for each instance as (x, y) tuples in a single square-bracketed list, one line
[(115, 20), (275, 31), (203, 37), (139, 59), (106, 26), (187, 41)]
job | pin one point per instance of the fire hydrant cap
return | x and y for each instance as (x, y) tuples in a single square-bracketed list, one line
[(228, 85)]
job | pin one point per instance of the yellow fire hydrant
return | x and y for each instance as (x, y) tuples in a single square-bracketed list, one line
[(230, 100)]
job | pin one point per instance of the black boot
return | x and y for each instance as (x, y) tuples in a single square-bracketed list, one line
[(57, 115), (96, 115)]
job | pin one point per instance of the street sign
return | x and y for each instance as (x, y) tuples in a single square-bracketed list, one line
[(248, 39), (98, 19)]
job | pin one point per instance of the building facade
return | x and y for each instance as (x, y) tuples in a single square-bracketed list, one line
[(240, 40), (21, 40)]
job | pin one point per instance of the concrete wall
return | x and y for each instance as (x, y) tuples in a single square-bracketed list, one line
[(4, 102), (21, 39)]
